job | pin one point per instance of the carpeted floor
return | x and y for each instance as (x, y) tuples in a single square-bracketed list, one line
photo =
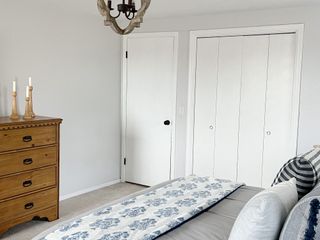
[(71, 208)]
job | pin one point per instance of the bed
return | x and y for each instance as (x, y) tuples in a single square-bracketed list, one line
[(212, 218), (205, 208), (216, 222)]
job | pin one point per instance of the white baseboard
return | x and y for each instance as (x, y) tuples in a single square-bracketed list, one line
[(87, 190)]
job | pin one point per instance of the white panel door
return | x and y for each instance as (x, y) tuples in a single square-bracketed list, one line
[(280, 141), (150, 102), (252, 109), (228, 104), (205, 106), (245, 89)]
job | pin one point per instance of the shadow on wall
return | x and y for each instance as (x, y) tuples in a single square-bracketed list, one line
[(4, 103)]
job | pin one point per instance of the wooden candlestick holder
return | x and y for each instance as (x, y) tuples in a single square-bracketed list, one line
[(14, 114), (27, 113), (31, 102)]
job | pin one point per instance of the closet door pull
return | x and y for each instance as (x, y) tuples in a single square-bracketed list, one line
[(211, 127), (269, 133)]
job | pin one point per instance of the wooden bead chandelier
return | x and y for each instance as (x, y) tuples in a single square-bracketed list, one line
[(128, 9)]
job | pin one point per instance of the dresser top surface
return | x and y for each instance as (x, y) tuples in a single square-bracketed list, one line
[(38, 119)]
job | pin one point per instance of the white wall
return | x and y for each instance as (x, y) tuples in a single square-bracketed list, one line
[(309, 130), (75, 64)]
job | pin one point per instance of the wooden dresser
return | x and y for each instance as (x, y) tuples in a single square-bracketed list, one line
[(29, 170)]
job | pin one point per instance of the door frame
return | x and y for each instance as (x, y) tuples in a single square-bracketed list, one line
[(297, 29), (124, 79)]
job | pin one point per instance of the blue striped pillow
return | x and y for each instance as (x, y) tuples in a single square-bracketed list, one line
[(305, 169)]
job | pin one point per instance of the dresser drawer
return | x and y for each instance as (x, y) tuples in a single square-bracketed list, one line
[(27, 160), (26, 182), (27, 205), (27, 138)]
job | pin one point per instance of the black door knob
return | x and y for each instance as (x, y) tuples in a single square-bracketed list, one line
[(166, 122)]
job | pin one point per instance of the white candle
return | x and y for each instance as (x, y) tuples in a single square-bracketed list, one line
[(14, 86), (30, 82), (27, 91)]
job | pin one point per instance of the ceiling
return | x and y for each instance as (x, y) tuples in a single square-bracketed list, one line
[(167, 8), (179, 8)]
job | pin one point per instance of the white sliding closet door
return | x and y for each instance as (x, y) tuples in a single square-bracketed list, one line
[(280, 128), (228, 102), (252, 108), (205, 105), (245, 118)]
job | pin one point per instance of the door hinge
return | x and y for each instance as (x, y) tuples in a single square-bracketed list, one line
[(125, 161), (126, 54)]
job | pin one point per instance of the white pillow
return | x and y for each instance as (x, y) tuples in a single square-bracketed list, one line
[(263, 216)]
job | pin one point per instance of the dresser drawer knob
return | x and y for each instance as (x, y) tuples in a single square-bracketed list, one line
[(29, 205), (27, 183), (27, 138), (27, 161)]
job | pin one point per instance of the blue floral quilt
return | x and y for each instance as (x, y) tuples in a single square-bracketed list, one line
[(147, 215)]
